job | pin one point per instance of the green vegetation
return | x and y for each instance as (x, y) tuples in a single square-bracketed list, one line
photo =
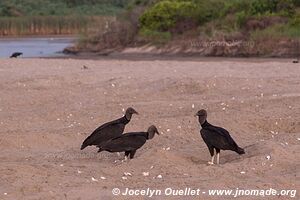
[(228, 15), (160, 22), (15, 8), (28, 17), (45, 25), (164, 22), (156, 37), (289, 30), (276, 32), (164, 15)]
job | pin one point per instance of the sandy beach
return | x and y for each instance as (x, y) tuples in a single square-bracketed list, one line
[(49, 106)]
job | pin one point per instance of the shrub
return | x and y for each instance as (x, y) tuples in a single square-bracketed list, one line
[(234, 6), (241, 18), (295, 21), (109, 34), (156, 37), (207, 10), (284, 7), (163, 15), (296, 2), (277, 31), (263, 6)]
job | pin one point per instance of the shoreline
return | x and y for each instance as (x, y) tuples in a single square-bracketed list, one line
[(146, 52), (169, 57)]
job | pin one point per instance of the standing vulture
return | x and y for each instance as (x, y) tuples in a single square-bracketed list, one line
[(129, 142), (109, 130), (216, 137)]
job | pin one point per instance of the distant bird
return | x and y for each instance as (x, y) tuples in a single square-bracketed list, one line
[(216, 137), (84, 67), (129, 142), (16, 54), (109, 130)]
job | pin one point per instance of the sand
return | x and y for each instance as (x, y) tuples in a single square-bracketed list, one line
[(49, 106)]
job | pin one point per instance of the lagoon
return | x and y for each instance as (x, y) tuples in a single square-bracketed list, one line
[(34, 47)]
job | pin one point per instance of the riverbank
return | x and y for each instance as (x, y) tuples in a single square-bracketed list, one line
[(204, 28), (49, 106), (274, 49), (168, 57)]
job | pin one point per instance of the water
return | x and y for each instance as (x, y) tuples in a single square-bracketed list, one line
[(35, 47)]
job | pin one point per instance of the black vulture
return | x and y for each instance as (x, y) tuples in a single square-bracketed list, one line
[(216, 137), (16, 54), (129, 142), (109, 130)]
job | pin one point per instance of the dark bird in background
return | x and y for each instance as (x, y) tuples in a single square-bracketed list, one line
[(16, 54), (129, 142), (84, 67), (216, 137), (109, 130)]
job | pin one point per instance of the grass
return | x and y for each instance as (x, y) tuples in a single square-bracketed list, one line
[(46, 25), (277, 31), (39, 17), (15, 8), (155, 37)]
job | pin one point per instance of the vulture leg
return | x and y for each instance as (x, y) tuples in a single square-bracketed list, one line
[(218, 156), (212, 153), (132, 154), (125, 159), (126, 155)]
